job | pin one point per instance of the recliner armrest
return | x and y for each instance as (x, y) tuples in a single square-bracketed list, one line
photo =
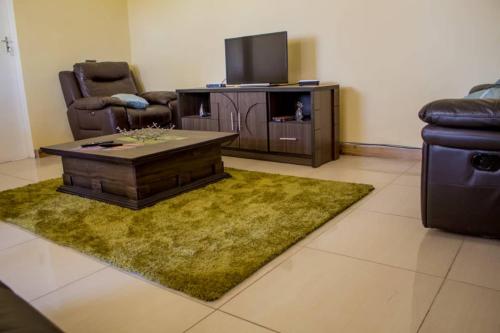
[(159, 97), (96, 103), (463, 113)]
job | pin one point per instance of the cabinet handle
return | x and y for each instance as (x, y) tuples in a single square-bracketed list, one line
[(288, 139), (232, 122), (239, 122)]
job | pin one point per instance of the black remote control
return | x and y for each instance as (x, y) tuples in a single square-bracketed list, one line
[(94, 144), (110, 145)]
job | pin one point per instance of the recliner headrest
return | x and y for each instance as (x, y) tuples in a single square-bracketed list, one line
[(104, 78)]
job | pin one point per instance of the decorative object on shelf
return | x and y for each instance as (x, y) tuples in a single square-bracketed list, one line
[(150, 134), (282, 119), (202, 112), (299, 114)]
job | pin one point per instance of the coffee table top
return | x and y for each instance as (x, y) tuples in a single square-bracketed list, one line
[(134, 151)]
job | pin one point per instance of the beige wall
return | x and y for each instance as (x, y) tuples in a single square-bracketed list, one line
[(53, 35), (390, 56)]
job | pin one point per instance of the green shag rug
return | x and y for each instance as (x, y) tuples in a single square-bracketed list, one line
[(203, 242)]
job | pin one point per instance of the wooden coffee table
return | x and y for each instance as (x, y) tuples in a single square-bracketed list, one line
[(140, 174)]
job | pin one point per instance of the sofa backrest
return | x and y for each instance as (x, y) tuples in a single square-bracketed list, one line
[(104, 78)]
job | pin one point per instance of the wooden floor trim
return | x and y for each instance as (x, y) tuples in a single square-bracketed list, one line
[(385, 151)]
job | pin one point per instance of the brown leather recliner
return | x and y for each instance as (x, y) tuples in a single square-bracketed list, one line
[(461, 166), (91, 110)]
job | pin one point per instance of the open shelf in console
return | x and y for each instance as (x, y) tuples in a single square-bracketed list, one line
[(285, 104), (190, 103)]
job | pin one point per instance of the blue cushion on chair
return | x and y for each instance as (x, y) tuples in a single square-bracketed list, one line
[(490, 93), (133, 101)]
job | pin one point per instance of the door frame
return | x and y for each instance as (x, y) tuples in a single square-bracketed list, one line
[(23, 116)]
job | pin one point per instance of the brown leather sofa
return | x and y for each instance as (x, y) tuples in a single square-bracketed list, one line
[(91, 110), (461, 166), (18, 316)]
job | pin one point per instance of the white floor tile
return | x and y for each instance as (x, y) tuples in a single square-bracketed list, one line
[(9, 182), (220, 322), (112, 301), (397, 200), (416, 169), (478, 263), (316, 291), (11, 235), (463, 308), (392, 240), (377, 179), (408, 180), (33, 169), (37, 267), (389, 165)]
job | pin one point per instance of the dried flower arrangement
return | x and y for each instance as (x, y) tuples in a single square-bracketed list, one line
[(150, 134)]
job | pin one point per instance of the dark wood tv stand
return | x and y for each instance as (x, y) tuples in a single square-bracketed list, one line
[(249, 112)]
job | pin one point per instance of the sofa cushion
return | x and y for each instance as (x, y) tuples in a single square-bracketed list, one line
[(158, 114), (104, 78), (97, 103), (484, 86), (132, 101), (159, 97), (493, 92), (464, 113)]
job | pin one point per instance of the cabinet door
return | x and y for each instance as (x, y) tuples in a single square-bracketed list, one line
[(226, 105), (252, 120)]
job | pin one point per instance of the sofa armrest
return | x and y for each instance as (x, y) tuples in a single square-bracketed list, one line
[(159, 97), (96, 103), (463, 113), (176, 114), (91, 123)]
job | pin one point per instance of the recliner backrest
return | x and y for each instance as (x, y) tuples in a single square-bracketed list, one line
[(104, 78)]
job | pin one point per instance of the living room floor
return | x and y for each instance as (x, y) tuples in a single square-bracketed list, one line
[(373, 268)]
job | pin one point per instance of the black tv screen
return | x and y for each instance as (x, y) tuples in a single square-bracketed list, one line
[(257, 59)]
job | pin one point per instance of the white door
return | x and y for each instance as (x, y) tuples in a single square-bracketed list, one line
[(15, 135)]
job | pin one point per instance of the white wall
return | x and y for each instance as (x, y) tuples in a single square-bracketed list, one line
[(390, 56), (55, 34)]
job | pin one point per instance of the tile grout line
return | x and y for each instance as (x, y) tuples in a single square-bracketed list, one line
[(384, 186), (202, 319), (474, 285), (392, 214), (374, 262), (18, 177), (248, 321), (67, 284), (53, 243), (19, 244), (440, 288)]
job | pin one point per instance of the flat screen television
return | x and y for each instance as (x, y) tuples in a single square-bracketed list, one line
[(257, 59)]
